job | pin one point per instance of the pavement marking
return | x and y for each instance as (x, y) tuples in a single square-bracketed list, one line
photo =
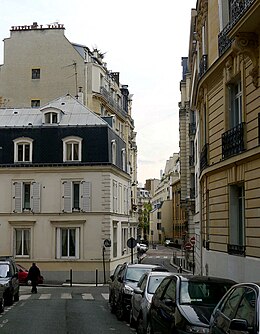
[(66, 296), (45, 296), (105, 295), (24, 297), (87, 296)]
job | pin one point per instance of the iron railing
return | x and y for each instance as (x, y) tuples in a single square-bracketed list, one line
[(112, 103), (237, 9), (203, 65), (233, 141), (236, 250), (204, 157)]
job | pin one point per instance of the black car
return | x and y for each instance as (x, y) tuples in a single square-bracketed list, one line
[(238, 311), (9, 280), (124, 282), (184, 303)]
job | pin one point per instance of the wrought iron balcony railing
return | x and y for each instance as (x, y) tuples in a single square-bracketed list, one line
[(192, 128), (204, 157), (111, 101), (236, 250), (203, 65), (233, 141), (237, 9)]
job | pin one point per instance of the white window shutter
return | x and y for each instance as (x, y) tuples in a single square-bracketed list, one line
[(67, 188), (36, 197), (86, 196), (17, 198)]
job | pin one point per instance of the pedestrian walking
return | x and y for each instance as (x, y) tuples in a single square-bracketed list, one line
[(33, 275)]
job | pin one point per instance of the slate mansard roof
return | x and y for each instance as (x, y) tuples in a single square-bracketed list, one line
[(75, 120)]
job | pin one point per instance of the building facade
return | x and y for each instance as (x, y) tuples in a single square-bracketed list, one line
[(225, 95), (67, 190)]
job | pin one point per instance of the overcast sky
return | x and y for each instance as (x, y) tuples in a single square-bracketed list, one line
[(144, 40)]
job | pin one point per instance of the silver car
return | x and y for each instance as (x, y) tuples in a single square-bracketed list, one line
[(142, 296)]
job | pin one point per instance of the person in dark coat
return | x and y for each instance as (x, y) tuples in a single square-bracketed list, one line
[(33, 275)]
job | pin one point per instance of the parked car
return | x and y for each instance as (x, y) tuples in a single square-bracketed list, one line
[(2, 301), (143, 248), (238, 311), (111, 282), (9, 279), (124, 283), (168, 243), (184, 303), (23, 274), (142, 297)]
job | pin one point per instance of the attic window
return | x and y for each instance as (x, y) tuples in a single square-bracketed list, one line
[(51, 118)]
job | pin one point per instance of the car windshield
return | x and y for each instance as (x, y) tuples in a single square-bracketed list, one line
[(4, 270), (134, 274), (154, 281), (202, 292)]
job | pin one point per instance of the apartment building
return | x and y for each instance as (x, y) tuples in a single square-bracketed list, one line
[(65, 191), (224, 93), (41, 64)]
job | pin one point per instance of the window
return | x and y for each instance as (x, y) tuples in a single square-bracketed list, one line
[(22, 242), (235, 104), (114, 239), (51, 118), (115, 201), (76, 196), (23, 150), (224, 7), (67, 242), (72, 147), (123, 159), (35, 103), (36, 73), (113, 149), (236, 215), (26, 196)]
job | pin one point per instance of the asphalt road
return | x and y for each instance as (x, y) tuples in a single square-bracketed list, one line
[(60, 310)]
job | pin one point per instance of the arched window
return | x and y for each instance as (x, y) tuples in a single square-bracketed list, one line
[(51, 117), (23, 149), (113, 149), (72, 147)]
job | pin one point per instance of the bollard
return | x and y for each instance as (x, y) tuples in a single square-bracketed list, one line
[(70, 277), (96, 277)]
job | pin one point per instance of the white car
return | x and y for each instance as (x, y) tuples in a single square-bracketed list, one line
[(142, 247)]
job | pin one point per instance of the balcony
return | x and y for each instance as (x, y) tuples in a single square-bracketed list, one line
[(233, 141), (192, 128), (238, 9), (111, 102), (203, 65), (204, 157), (236, 250)]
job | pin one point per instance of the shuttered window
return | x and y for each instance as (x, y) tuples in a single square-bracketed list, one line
[(76, 196), (26, 196)]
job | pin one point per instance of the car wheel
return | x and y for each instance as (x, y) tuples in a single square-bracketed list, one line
[(2, 305), (149, 329), (9, 299), (112, 305), (119, 311), (140, 325), (16, 296), (131, 319)]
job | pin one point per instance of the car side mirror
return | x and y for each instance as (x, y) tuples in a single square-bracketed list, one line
[(238, 325), (169, 302), (138, 291)]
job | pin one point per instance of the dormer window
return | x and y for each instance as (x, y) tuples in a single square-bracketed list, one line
[(23, 150), (72, 147), (51, 118)]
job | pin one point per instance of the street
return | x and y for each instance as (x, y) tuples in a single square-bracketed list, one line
[(64, 309)]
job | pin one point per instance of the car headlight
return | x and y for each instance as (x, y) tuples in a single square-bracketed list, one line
[(197, 329), (128, 290)]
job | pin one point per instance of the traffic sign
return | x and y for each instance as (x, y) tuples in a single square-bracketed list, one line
[(107, 243), (188, 246), (192, 240), (131, 242)]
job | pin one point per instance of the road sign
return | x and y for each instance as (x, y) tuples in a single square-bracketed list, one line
[(107, 243), (192, 240), (188, 246), (131, 243)]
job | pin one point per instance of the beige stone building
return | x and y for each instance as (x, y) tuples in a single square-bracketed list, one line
[(40, 65), (161, 216), (225, 95)]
